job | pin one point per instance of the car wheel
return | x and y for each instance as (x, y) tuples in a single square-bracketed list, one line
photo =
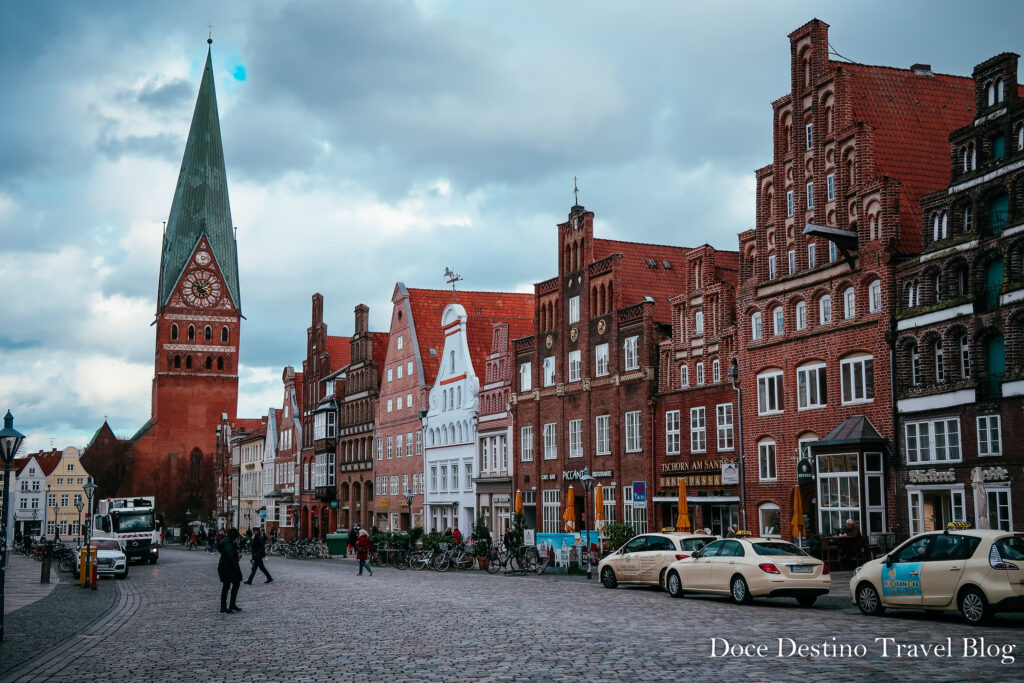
[(674, 585), (806, 600), (740, 591), (974, 608), (608, 579), (868, 600)]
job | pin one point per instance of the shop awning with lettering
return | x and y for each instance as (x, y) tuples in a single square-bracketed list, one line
[(698, 499)]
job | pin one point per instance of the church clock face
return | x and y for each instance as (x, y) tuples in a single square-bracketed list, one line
[(201, 288)]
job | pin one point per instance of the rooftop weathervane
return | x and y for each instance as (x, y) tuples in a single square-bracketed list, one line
[(575, 192), (451, 278)]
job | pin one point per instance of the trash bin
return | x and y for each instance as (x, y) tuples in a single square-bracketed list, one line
[(83, 561), (337, 544)]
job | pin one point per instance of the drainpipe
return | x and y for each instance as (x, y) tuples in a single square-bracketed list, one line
[(734, 373)]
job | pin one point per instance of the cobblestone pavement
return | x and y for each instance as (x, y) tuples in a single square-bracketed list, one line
[(319, 621)]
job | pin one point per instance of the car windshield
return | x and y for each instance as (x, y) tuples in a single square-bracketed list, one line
[(1011, 548), (133, 521), (105, 544), (694, 543), (777, 548)]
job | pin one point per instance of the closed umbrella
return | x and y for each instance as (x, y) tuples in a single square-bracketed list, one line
[(980, 499), (599, 514), (519, 502), (798, 515), (570, 511), (683, 520)]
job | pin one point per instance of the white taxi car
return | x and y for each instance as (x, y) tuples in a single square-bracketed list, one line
[(109, 558), (977, 572), (748, 567), (644, 558)]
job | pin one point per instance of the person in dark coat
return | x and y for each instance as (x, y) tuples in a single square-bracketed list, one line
[(229, 571), (363, 552), (259, 551)]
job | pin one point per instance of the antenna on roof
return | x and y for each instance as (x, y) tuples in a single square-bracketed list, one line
[(451, 278)]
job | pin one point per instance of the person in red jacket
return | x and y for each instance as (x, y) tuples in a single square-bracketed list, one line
[(363, 552)]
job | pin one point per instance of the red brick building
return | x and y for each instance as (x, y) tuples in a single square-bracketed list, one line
[(281, 501), (586, 380), (959, 344), (696, 433), (855, 149), (198, 320), (357, 406)]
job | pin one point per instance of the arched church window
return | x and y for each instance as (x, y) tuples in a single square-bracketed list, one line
[(191, 332), (174, 332), (188, 362), (224, 334), (208, 333), (220, 363), (209, 362)]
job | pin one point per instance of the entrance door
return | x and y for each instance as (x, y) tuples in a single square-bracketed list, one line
[(996, 358), (724, 516), (993, 283)]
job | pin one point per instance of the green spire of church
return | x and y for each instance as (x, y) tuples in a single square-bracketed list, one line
[(200, 205)]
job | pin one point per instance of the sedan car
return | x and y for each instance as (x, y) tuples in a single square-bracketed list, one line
[(644, 558), (109, 558), (977, 572), (745, 568)]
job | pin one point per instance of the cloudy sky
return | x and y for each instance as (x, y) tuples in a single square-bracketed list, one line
[(375, 142)]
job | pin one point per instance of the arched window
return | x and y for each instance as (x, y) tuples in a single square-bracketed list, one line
[(875, 296), (915, 365), (911, 290), (938, 287), (208, 333), (174, 332), (825, 310), (965, 357), (755, 325), (444, 400), (849, 303), (801, 315), (940, 225), (991, 94), (1000, 90), (460, 433), (940, 370), (220, 363), (451, 361), (209, 362), (224, 334), (177, 361), (191, 332), (769, 518), (188, 362), (778, 321), (458, 402)]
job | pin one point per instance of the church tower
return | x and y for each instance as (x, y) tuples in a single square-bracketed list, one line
[(198, 318)]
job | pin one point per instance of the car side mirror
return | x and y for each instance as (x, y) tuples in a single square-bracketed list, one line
[(888, 560), (695, 555)]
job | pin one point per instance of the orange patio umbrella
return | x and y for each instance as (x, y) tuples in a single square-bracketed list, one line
[(798, 514), (519, 502), (598, 505), (570, 511), (683, 520)]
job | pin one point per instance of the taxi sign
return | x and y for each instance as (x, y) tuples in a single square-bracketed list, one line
[(958, 525), (639, 492), (743, 533)]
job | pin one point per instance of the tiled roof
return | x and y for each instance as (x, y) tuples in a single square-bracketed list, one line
[(380, 351), (913, 115), (48, 460), (340, 349), (142, 431), (638, 280), (428, 304), (248, 424), (853, 430), (480, 335)]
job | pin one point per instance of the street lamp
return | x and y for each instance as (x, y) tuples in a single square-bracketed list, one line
[(734, 375), (409, 495), (79, 504), (10, 441), (56, 511), (90, 489), (188, 527), (588, 482)]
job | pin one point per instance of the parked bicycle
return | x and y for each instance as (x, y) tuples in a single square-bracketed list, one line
[(521, 560)]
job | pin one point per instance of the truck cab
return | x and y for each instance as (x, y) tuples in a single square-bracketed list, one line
[(133, 523)]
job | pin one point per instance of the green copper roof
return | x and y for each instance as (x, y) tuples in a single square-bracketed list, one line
[(200, 205)]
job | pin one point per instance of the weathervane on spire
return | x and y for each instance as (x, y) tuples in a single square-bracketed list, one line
[(451, 278), (575, 192), (209, 35)]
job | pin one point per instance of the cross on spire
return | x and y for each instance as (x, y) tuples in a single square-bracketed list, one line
[(209, 35)]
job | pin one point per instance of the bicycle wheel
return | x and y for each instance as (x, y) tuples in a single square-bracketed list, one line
[(418, 561), (496, 565), (66, 565), (464, 561), (400, 560), (441, 563)]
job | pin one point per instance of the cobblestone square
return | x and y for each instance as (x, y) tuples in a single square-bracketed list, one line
[(318, 620)]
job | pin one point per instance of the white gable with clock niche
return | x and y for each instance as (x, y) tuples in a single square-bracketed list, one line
[(449, 431)]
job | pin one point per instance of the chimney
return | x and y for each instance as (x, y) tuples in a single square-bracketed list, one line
[(362, 319), (922, 69)]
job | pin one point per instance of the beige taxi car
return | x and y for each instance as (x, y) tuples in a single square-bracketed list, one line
[(644, 558), (748, 567), (976, 572)]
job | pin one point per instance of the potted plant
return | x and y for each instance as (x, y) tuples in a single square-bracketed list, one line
[(481, 537)]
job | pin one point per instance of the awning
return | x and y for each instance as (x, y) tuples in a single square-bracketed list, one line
[(697, 499), (853, 431)]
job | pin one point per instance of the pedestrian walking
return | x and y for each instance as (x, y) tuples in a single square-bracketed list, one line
[(363, 552), (229, 571), (259, 551)]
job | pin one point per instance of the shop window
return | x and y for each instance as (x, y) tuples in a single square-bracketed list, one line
[(838, 492), (769, 519)]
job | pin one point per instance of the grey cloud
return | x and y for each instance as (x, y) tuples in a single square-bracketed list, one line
[(163, 96), (163, 146)]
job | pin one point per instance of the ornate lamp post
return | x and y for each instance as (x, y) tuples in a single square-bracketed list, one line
[(79, 504), (90, 489), (10, 441), (734, 375), (56, 512), (588, 482), (409, 495)]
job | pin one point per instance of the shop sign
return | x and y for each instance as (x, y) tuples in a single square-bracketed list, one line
[(692, 481), (500, 500), (602, 474), (547, 477), (263, 514), (334, 505), (707, 465), (804, 471), (730, 473), (995, 474), (383, 502), (932, 476), (573, 475)]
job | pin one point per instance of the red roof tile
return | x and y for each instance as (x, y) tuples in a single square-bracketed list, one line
[(48, 460), (298, 393), (638, 280), (480, 335), (427, 305), (340, 350), (248, 424), (913, 115), (380, 351)]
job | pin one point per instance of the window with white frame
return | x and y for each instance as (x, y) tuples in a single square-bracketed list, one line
[(778, 321), (830, 184), (940, 368), (723, 415), (550, 445), (408, 368), (633, 431), (631, 351), (549, 371), (575, 361), (989, 441), (633, 514), (391, 405), (965, 357), (773, 267), (380, 448), (399, 342), (810, 195), (576, 438), (574, 309), (390, 374), (801, 315), (602, 434), (838, 492), (833, 252), (525, 376), (698, 323), (825, 310), (672, 432), (999, 509), (809, 130), (455, 477), (811, 386), (390, 445), (755, 325), (716, 371), (698, 430), (767, 469), (399, 373), (608, 493), (769, 393), (684, 375), (700, 374), (601, 360), (399, 441), (526, 444), (551, 511), (399, 404), (792, 261), (849, 303), (858, 379), (933, 441), (812, 255), (419, 442), (394, 484), (789, 203), (875, 296)]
